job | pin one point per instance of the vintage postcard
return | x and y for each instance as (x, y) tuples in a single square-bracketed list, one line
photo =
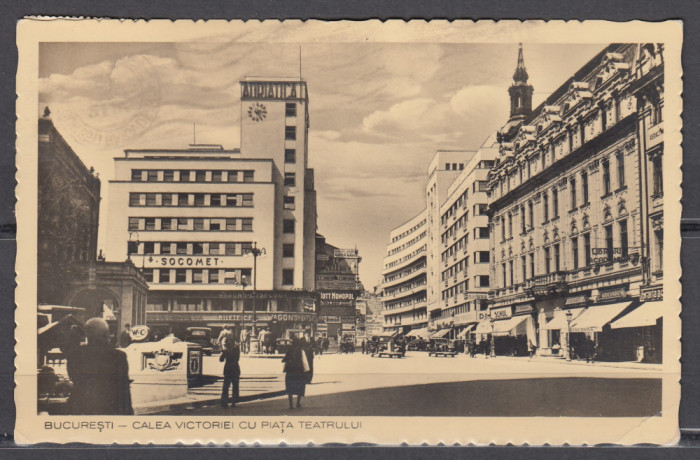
[(381, 232)]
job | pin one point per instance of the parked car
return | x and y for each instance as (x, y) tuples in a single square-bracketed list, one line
[(283, 346), (202, 337)]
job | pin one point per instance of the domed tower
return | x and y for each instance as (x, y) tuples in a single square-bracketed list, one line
[(520, 91)]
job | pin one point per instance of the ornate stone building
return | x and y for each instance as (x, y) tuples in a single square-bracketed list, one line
[(569, 239), (69, 270)]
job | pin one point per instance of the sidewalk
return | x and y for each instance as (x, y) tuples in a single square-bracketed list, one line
[(251, 388), (558, 359)]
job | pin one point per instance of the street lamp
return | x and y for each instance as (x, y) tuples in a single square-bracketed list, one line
[(569, 315), (255, 251), (493, 339)]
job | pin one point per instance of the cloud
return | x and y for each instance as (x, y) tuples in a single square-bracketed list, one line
[(403, 116)]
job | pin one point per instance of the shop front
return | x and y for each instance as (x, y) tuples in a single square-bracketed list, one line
[(639, 334), (554, 333), (513, 329), (591, 336), (282, 313)]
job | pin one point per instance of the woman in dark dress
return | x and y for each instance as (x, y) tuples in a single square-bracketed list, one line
[(297, 373), (230, 355)]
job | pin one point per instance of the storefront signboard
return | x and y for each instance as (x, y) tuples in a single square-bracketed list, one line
[(612, 294), (526, 308), (500, 313), (651, 295), (158, 316), (482, 315)]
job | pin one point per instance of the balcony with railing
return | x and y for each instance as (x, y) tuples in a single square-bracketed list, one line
[(549, 283), (403, 292), (409, 306)]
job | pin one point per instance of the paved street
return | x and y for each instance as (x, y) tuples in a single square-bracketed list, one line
[(418, 385)]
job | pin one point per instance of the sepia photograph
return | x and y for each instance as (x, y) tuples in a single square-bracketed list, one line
[(253, 228)]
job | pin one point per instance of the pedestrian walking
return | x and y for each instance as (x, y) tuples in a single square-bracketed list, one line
[(99, 372), (226, 333), (296, 368), (531, 348), (245, 340), (125, 336), (364, 346), (230, 356)]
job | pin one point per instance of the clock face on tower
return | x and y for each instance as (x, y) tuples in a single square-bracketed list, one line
[(257, 112)]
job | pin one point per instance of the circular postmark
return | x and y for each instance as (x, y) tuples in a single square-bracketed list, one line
[(119, 106)]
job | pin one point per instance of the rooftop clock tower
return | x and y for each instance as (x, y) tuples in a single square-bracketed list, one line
[(275, 125)]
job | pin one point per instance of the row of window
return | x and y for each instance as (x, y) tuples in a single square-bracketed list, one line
[(406, 257), (405, 288), (562, 146), (480, 281), (404, 303), (406, 244), (415, 316), (479, 209), (192, 175), (204, 224), (233, 200), (208, 276), (228, 248), (455, 248), (480, 257), (188, 248), (552, 254), (404, 273), (448, 313), (409, 231)]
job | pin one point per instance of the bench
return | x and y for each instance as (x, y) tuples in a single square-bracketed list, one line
[(442, 353)]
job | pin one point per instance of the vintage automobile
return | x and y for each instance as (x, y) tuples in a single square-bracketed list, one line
[(202, 337), (282, 345), (347, 345), (384, 345), (441, 347)]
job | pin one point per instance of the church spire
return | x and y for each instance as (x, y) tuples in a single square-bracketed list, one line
[(520, 92), (520, 75)]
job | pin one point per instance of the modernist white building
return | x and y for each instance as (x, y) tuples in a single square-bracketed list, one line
[(464, 247), (404, 283), (189, 218), (413, 266)]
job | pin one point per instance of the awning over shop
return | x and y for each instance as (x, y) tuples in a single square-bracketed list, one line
[(421, 333), (644, 315), (440, 333), (559, 320), (597, 316), (483, 327), (467, 330), (389, 334), (509, 326)]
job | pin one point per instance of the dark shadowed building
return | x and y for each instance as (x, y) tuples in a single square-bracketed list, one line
[(68, 269)]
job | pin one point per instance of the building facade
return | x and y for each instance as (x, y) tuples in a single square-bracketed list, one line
[(568, 225), (464, 247), (338, 286), (225, 236), (404, 287), (69, 270), (443, 169), (369, 310)]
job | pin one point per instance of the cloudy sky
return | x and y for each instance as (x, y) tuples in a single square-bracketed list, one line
[(378, 111)]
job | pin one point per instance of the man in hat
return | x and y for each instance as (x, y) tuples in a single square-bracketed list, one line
[(100, 374)]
